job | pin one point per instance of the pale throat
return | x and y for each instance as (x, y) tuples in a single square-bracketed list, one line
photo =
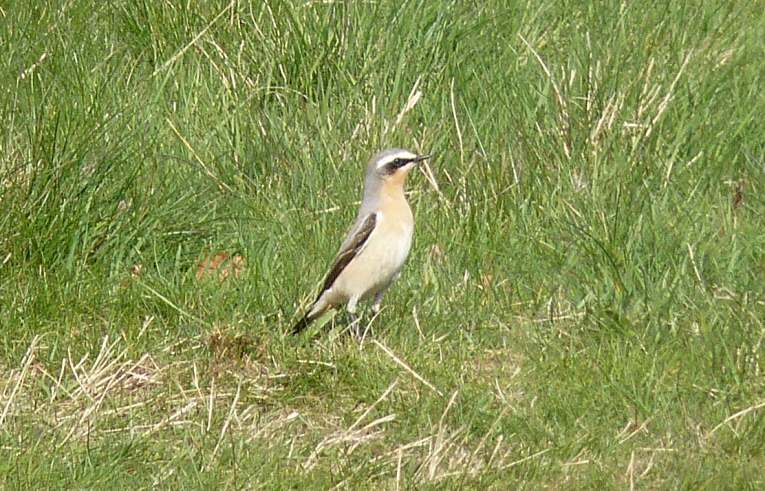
[(393, 187), (395, 206)]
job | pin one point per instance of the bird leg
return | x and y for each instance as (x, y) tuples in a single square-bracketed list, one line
[(355, 319), (377, 305)]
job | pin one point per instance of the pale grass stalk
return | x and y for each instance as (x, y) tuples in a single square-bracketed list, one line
[(431, 178), (414, 97), (736, 415), (229, 417), (145, 325), (403, 448), (57, 386), (457, 123), (417, 323), (695, 267), (439, 449), (106, 374), (648, 93), (406, 367), (648, 467), (368, 328), (317, 362), (371, 408), (494, 452), (478, 139), (355, 438), (398, 468), (210, 405), (169, 420), (81, 384), (668, 96), (606, 120), (352, 434), (275, 425), (365, 430), (490, 431), (124, 409), (424, 166), (438, 446), (695, 158), (194, 40), (221, 185), (562, 107), (31, 69), (526, 459), (26, 362), (592, 75), (634, 432)]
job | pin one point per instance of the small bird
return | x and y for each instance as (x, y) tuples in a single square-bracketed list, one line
[(375, 249)]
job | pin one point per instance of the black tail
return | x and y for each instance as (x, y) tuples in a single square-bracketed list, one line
[(302, 324)]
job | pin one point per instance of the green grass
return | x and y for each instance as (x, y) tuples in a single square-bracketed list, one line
[(584, 302)]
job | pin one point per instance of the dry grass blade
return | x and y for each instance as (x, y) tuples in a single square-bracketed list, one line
[(562, 107), (374, 405), (355, 438), (668, 96), (406, 367), (194, 40), (205, 167), (25, 364), (736, 415), (352, 434), (231, 412), (456, 123), (171, 418), (491, 430), (439, 443), (527, 458), (109, 373), (431, 178), (414, 97)]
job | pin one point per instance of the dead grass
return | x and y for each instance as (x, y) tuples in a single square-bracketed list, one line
[(109, 395)]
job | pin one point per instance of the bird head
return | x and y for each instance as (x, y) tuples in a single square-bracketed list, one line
[(391, 167)]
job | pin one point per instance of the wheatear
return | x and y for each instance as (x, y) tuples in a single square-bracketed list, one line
[(371, 256)]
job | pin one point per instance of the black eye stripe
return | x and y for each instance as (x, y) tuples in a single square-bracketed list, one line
[(396, 164)]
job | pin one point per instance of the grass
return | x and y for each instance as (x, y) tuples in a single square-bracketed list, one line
[(584, 302)]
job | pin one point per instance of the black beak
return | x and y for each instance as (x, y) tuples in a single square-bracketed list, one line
[(420, 158)]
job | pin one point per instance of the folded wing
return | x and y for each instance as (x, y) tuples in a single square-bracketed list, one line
[(351, 248)]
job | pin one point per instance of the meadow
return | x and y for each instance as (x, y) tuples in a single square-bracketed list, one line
[(583, 307)]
